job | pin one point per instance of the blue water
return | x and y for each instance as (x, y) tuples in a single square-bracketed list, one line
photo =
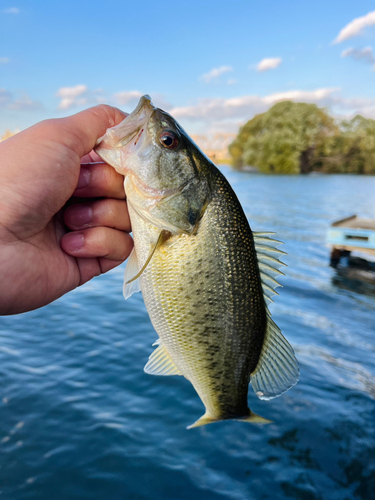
[(79, 419)]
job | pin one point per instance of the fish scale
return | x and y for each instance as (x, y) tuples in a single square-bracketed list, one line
[(208, 316)]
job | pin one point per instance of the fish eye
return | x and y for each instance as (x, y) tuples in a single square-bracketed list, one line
[(169, 139)]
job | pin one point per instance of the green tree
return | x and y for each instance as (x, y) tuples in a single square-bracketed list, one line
[(236, 149), (358, 145), (290, 138)]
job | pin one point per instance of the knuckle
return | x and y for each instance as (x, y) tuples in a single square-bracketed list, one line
[(104, 177), (107, 239), (111, 213)]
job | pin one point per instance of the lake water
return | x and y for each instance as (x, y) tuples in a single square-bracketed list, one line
[(79, 419)]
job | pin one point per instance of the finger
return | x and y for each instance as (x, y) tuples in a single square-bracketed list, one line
[(89, 268), (100, 180), (85, 128), (98, 242), (109, 212)]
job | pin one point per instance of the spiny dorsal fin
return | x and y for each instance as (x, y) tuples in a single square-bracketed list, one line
[(262, 233), (160, 362), (263, 248), (277, 369), (267, 251)]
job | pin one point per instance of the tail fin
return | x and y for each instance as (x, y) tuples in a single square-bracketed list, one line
[(253, 418), (204, 420)]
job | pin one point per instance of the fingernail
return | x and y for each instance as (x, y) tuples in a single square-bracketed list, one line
[(80, 215), (84, 178), (74, 242)]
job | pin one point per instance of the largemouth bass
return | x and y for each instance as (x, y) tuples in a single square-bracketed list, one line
[(206, 279)]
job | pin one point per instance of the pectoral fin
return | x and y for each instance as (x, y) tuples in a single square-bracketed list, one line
[(159, 241), (130, 285)]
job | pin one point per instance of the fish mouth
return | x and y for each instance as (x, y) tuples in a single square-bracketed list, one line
[(110, 146), (120, 135), (139, 116)]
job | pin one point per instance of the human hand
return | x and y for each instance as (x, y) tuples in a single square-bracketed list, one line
[(45, 173)]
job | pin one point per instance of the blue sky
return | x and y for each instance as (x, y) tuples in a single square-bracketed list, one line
[(212, 64)]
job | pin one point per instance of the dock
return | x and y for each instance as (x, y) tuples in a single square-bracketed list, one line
[(351, 234)]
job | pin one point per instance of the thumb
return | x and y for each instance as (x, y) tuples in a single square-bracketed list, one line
[(40, 166), (84, 128)]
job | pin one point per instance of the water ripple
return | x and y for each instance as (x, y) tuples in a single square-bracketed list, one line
[(81, 420)]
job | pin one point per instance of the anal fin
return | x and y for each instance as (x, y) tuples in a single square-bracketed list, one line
[(160, 363)]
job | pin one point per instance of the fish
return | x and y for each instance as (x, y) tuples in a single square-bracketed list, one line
[(205, 277)]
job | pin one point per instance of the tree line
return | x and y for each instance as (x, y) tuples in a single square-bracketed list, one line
[(294, 138)]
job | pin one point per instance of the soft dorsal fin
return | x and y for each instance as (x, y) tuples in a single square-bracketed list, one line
[(277, 369), (268, 262), (160, 362)]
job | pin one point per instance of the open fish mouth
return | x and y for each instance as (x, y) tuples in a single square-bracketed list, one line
[(141, 115), (130, 127)]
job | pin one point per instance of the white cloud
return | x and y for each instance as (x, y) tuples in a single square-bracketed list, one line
[(72, 96), (314, 96), (4, 60), (268, 63), (246, 106), (356, 27), (365, 54), (214, 115), (23, 103), (215, 73), (11, 10)]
